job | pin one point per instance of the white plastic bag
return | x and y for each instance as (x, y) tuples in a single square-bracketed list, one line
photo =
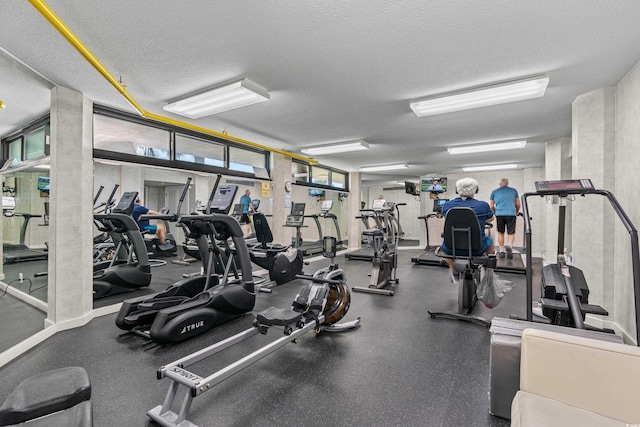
[(491, 289)]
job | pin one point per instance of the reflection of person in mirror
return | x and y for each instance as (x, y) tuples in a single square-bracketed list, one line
[(247, 208), (158, 229), (435, 187)]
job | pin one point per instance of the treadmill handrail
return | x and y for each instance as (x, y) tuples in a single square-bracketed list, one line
[(628, 225)]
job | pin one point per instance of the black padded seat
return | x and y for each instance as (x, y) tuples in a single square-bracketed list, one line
[(80, 415), (278, 316), (44, 394), (373, 232)]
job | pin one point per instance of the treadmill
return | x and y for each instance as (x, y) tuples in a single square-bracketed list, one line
[(296, 219), (13, 253), (514, 265), (429, 257)]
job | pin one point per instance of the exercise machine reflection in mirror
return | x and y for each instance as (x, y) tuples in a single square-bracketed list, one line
[(319, 306)]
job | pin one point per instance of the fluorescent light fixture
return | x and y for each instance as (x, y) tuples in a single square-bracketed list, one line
[(396, 166), (467, 149), (42, 167), (341, 147), (224, 98), (490, 167), (483, 96)]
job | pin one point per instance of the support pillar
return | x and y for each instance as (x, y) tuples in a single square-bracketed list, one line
[(70, 291)]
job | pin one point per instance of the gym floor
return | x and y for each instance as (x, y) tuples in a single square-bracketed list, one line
[(400, 368)]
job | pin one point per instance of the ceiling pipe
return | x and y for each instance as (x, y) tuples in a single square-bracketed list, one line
[(62, 28)]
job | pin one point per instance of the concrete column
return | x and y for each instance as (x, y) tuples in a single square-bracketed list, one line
[(131, 179), (593, 149), (202, 188), (280, 174), (557, 166), (355, 225), (70, 291)]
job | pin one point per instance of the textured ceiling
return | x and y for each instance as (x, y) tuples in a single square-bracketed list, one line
[(335, 70)]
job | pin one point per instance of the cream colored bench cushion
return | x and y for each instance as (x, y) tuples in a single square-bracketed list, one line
[(581, 373), (530, 410)]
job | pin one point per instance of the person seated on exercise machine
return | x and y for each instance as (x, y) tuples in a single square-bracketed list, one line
[(466, 188), (145, 227)]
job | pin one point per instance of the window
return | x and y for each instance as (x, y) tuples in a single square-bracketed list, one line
[(244, 160), (15, 149), (319, 175), (195, 150), (300, 172), (121, 136), (338, 180), (35, 143)]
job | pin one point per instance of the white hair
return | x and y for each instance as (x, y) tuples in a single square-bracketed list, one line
[(466, 187)]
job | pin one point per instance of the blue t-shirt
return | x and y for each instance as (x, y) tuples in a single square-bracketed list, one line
[(482, 209), (245, 201), (505, 200), (137, 211)]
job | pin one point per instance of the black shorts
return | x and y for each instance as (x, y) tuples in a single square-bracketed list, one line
[(244, 219), (508, 221)]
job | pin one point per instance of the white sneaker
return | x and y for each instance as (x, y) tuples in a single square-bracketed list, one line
[(455, 278)]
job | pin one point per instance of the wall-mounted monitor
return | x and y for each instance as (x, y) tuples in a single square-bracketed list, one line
[(434, 185), (43, 183), (315, 192)]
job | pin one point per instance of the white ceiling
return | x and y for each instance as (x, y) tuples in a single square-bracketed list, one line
[(335, 70)]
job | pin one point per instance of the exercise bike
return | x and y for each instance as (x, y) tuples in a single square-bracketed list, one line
[(283, 263), (463, 235), (319, 306), (385, 251), (197, 304)]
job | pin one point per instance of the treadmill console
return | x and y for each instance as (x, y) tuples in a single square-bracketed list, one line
[(438, 204), (378, 204), (326, 205), (223, 199), (256, 204), (125, 205), (296, 217), (564, 187)]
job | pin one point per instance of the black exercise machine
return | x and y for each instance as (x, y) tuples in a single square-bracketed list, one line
[(283, 263), (385, 253), (130, 268), (195, 305), (318, 307), (463, 235), (429, 257), (564, 289)]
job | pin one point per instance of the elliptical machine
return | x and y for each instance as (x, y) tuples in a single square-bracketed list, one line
[(385, 251), (318, 307), (130, 268), (195, 305)]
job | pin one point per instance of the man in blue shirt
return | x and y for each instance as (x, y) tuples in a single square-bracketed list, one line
[(506, 205), (435, 187), (247, 208), (158, 229), (466, 189)]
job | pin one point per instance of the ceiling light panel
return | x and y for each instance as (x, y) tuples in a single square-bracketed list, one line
[(499, 93), (483, 148), (490, 167), (384, 167), (224, 98), (342, 147)]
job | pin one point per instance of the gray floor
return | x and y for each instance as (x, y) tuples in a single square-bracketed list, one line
[(400, 368)]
